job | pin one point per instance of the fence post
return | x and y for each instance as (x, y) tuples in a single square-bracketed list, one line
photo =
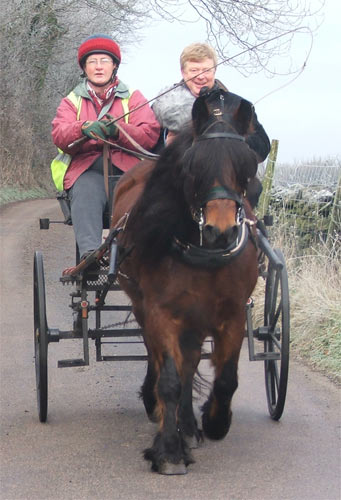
[(264, 200), (335, 216)]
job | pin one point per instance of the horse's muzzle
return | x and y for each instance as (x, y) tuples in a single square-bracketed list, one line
[(214, 239)]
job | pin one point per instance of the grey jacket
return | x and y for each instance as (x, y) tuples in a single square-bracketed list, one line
[(173, 111)]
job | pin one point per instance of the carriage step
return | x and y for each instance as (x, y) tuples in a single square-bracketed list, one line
[(125, 307), (67, 363), (118, 333), (266, 356), (127, 357)]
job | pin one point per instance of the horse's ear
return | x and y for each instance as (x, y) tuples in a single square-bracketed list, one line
[(243, 116), (200, 112)]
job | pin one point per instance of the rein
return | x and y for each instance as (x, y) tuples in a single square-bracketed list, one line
[(141, 153)]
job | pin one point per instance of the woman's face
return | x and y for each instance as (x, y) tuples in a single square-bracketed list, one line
[(99, 68), (198, 75)]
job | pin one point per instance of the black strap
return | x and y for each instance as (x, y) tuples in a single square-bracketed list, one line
[(223, 193), (220, 135)]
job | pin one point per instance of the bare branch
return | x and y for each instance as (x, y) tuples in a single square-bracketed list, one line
[(232, 25)]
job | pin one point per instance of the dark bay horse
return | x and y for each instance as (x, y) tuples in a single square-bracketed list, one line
[(188, 261)]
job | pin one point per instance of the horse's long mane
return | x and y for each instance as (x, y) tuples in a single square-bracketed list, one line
[(182, 177)]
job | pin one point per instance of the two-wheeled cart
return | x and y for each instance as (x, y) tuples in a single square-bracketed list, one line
[(90, 295)]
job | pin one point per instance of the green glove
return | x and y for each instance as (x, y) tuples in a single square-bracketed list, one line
[(95, 130), (111, 129)]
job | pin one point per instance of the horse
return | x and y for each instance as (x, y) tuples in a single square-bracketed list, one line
[(188, 261)]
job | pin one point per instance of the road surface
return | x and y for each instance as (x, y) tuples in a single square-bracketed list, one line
[(91, 446)]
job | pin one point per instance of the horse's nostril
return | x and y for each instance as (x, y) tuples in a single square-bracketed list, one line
[(216, 239), (210, 233)]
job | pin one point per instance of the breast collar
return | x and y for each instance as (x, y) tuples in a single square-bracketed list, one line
[(204, 257)]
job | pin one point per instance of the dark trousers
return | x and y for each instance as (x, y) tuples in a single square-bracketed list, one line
[(88, 204)]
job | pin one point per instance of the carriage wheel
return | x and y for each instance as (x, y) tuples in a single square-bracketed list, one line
[(277, 317), (40, 335)]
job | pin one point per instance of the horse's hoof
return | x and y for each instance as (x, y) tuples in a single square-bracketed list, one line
[(169, 469)]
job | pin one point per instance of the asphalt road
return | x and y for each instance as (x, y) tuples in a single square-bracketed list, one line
[(91, 446)]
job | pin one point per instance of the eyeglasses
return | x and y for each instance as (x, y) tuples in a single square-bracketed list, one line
[(198, 71), (103, 60)]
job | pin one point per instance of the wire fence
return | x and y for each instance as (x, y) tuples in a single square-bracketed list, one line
[(316, 176)]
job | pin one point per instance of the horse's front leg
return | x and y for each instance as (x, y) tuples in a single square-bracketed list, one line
[(191, 353), (169, 453), (190, 345), (217, 414)]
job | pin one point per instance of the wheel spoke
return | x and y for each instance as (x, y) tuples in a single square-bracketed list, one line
[(276, 316), (275, 341), (273, 382), (276, 374)]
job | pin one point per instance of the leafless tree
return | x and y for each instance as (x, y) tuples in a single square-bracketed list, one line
[(39, 40)]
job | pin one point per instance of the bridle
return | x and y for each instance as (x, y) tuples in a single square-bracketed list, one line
[(198, 255), (218, 193), (204, 257)]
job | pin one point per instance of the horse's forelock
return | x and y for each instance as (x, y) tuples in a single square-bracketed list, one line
[(228, 162), (204, 164)]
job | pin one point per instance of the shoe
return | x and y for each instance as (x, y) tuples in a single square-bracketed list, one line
[(93, 267)]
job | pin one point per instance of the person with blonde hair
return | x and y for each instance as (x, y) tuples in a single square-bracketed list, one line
[(198, 62)]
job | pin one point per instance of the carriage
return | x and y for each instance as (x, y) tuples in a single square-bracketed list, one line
[(189, 273)]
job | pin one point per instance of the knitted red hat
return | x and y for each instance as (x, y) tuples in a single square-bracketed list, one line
[(99, 44)]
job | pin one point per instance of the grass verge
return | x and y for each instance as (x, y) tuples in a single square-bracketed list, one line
[(10, 194), (315, 284), (315, 307)]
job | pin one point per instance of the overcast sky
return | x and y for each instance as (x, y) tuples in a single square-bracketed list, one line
[(305, 116)]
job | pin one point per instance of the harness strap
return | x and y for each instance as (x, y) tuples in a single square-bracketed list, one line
[(106, 153), (223, 193), (220, 135), (134, 143)]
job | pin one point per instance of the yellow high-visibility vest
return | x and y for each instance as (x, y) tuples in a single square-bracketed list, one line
[(61, 162)]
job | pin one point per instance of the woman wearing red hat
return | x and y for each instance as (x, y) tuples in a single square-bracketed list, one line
[(82, 115)]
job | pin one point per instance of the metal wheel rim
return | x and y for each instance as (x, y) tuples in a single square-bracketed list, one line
[(276, 372), (40, 336)]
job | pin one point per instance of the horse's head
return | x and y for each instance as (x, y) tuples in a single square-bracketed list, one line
[(218, 166), (218, 105)]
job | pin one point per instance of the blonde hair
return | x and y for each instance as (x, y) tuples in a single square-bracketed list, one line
[(196, 52)]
